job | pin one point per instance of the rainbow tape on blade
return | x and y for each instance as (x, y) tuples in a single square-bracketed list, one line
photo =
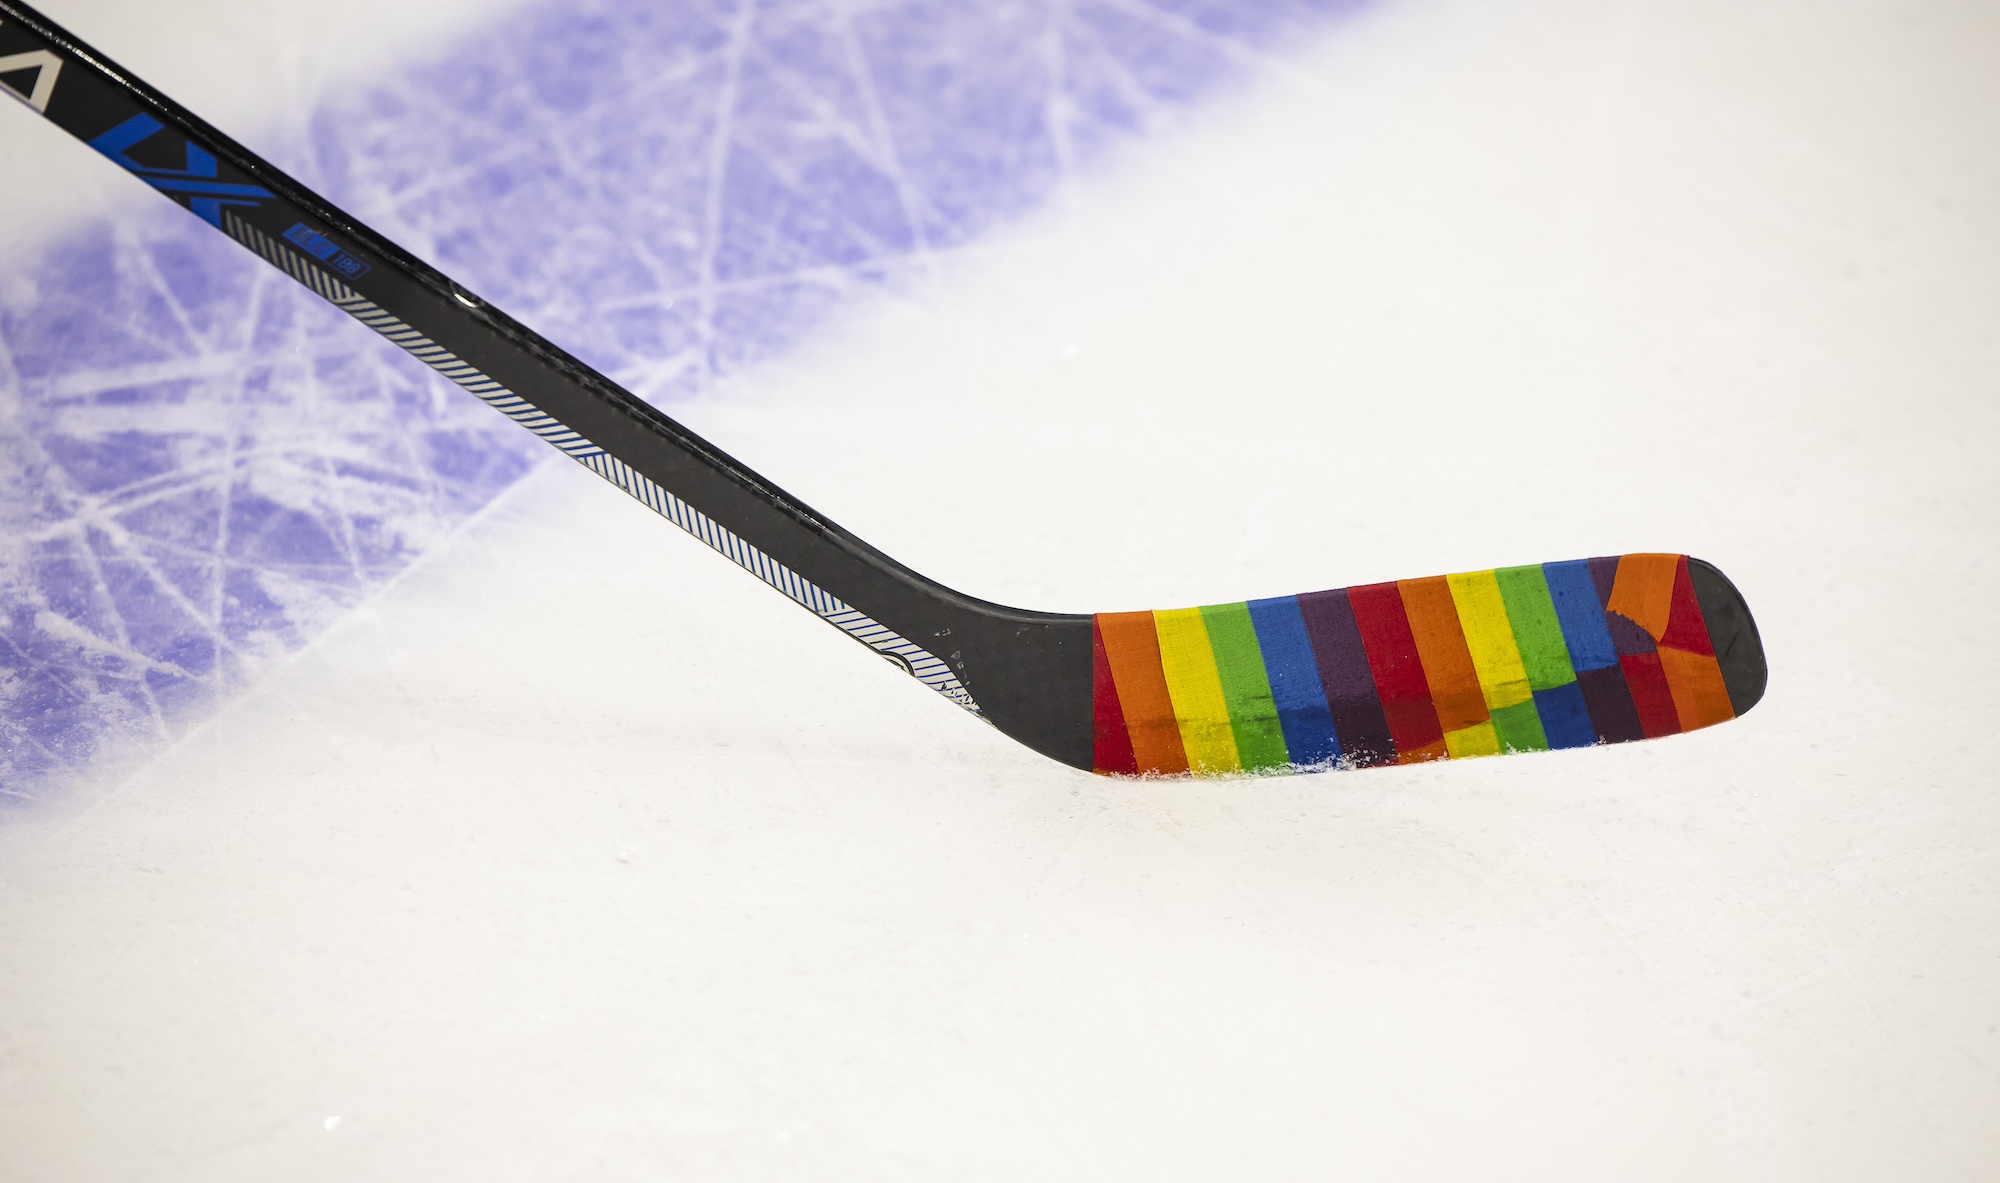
[(1518, 659)]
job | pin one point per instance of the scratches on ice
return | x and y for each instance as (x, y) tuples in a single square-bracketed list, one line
[(202, 466)]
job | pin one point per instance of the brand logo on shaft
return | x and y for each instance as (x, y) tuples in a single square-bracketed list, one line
[(320, 247), (195, 181), (47, 68)]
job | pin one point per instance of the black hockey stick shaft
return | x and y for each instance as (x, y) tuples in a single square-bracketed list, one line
[(1027, 672)]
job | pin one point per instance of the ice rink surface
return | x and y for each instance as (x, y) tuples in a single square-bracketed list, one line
[(565, 850)]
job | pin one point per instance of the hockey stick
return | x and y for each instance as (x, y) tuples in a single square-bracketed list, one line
[(1524, 658)]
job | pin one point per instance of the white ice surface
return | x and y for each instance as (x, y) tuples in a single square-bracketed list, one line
[(578, 854)]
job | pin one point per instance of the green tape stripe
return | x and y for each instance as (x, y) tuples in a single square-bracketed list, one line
[(1537, 630), (1239, 662), (1519, 728)]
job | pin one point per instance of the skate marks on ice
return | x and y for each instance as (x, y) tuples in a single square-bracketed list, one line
[(202, 467)]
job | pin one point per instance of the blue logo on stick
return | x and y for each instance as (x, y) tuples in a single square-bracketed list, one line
[(206, 195), (320, 247)]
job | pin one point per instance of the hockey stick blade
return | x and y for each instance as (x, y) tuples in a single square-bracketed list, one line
[(1516, 659)]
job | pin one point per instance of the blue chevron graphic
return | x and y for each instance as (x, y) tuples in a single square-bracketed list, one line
[(206, 196)]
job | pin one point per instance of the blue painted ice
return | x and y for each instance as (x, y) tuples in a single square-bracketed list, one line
[(204, 465)]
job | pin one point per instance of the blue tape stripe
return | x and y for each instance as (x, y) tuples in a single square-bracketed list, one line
[(1295, 684), (1580, 614), (1565, 718)]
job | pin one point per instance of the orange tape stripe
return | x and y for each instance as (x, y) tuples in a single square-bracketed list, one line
[(1455, 692), (1133, 648), (1695, 681), (1643, 592)]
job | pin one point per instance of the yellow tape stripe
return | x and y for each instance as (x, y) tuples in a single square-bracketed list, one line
[(1477, 740), (1196, 690), (1490, 638)]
